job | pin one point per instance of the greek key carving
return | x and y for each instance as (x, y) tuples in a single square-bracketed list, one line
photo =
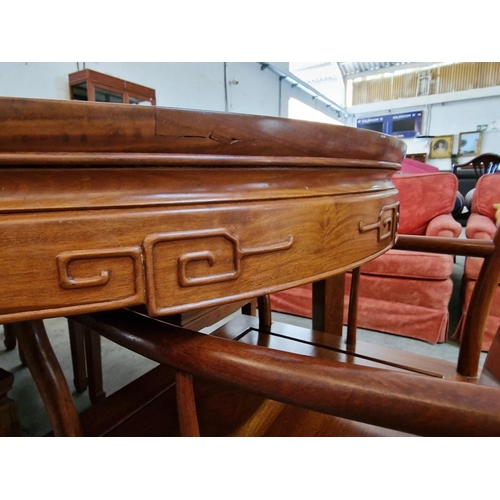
[(206, 255), (387, 222), (69, 282)]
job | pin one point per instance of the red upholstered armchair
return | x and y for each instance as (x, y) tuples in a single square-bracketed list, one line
[(402, 292), (481, 225)]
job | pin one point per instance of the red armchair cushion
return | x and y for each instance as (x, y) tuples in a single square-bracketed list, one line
[(487, 193), (404, 264), (423, 197)]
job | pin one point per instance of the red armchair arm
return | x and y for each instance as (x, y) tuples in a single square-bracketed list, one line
[(444, 226), (480, 227)]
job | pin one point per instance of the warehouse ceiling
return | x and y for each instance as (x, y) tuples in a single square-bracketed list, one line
[(356, 69)]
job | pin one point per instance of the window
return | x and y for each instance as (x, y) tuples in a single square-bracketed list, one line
[(89, 85), (300, 111)]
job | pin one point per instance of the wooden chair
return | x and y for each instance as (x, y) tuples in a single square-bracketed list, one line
[(325, 374), (486, 163), (417, 287), (85, 358), (481, 224)]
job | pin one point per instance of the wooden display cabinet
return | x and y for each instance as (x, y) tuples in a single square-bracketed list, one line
[(89, 85)]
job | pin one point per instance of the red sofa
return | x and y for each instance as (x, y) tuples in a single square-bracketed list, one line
[(481, 224), (401, 292)]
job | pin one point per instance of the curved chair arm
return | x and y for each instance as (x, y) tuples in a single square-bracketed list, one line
[(480, 227), (444, 225), (410, 403), (482, 295), (452, 246)]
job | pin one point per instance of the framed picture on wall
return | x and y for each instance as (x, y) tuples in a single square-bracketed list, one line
[(441, 147), (469, 143)]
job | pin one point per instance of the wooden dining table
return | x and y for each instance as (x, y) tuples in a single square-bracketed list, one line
[(106, 206)]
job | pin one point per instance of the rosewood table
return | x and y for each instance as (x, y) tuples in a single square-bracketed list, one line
[(107, 206)]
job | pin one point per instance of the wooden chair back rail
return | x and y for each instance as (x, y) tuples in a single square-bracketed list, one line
[(482, 296), (450, 246), (409, 403), (485, 163), (478, 312)]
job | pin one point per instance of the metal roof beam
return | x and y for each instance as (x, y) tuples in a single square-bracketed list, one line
[(305, 87), (363, 72)]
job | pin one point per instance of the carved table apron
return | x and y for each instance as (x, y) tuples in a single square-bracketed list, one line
[(177, 228), (188, 250)]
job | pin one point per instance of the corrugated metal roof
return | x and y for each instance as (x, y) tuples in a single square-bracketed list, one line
[(350, 69)]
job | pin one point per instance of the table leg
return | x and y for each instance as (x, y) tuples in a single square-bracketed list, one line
[(77, 345), (49, 378), (9, 338), (94, 365), (328, 304)]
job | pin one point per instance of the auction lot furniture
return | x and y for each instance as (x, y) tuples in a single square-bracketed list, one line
[(481, 225), (403, 293), (469, 172), (109, 206), (485, 163), (318, 384)]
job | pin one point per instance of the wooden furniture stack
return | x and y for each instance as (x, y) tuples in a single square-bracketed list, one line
[(481, 224), (109, 206), (262, 378)]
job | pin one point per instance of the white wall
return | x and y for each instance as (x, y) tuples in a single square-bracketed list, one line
[(446, 114), (251, 90), (40, 80), (239, 87)]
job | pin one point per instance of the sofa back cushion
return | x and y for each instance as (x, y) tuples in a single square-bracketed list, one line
[(423, 197), (410, 166), (486, 194)]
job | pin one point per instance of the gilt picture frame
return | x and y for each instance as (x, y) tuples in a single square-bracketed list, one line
[(469, 143), (441, 147)]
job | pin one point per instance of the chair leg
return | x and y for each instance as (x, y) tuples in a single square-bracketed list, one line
[(9, 416), (352, 321), (94, 365), (186, 406), (77, 346), (10, 341), (264, 306), (49, 378), (87, 363)]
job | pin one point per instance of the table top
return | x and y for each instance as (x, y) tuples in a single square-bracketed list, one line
[(112, 205)]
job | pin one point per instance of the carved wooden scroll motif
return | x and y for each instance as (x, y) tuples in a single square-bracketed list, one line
[(70, 280), (259, 248), (174, 260), (66, 263), (387, 223)]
